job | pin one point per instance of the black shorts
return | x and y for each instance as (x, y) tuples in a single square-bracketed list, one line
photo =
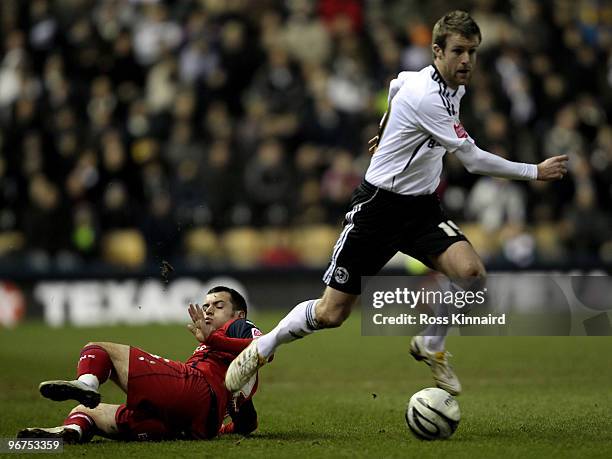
[(381, 223)]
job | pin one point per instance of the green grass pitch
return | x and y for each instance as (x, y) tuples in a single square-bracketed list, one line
[(338, 394)]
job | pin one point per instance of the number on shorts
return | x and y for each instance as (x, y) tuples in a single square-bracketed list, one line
[(450, 228)]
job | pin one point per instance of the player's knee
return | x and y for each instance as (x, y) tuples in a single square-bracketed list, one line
[(80, 409), (472, 271), (100, 345), (110, 348)]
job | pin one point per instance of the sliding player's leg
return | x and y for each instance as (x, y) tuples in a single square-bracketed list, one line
[(97, 363), (166, 399), (116, 422), (80, 425), (462, 265)]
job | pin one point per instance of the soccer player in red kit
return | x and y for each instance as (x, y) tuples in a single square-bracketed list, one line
[(166, 399)]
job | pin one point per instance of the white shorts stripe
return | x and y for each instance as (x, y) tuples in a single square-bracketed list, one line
[(341, 240), (343, 236), (337, 247)]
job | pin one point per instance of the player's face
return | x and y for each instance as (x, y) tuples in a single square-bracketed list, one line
[(218, 309), (456, 62)]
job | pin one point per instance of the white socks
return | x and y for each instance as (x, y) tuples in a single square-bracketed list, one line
[(298, 323), (434, 343), (90, 380), (75, 427), (435, 335)]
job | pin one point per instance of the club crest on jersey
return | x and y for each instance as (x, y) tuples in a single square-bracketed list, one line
[(460, 131), (341, 275), (256, 332)]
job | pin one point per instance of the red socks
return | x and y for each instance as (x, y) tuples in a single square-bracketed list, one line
[(96, 361), (84, 421)]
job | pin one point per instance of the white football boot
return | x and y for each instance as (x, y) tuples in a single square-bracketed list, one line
[(243, 368), (65, 433), (442, 372), (70, 390)]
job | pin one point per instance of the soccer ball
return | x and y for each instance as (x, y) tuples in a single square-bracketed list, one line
[(432, 414)]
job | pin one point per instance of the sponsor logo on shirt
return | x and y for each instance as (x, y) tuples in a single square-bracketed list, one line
[(460, 131)]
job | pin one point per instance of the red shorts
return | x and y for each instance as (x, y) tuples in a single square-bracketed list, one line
[(166, 399)]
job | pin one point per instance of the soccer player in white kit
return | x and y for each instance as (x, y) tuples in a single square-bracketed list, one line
[(396, 208)]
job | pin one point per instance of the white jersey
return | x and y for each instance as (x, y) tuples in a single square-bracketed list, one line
[(420, 126)]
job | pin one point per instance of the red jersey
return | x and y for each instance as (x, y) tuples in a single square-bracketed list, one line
[(222, 346), (169, 399)]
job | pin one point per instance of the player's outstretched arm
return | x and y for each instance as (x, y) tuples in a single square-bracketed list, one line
[(553, 168), (478, 161), (221, 341), (482, 162), (433, 118)]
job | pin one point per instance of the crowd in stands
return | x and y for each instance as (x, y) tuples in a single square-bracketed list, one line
[(232, 132)]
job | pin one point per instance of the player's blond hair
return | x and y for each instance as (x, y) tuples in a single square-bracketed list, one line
[(459, 22)]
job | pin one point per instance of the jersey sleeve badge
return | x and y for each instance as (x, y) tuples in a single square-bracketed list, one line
[(460, 131)]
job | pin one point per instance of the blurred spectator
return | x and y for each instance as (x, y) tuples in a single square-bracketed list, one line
[(342, 15), (306, 38), (418, 53), (155, 33), (494, 203), (268, 183), (322, 123), (86, 232), (239, 59), (162, 85), (198, 61), (160, 228), (11, 71), (563, 138), (117, 210), (222, 185), (339, 182), (277, 81), (45, 223), (9, 211), (585, 228)]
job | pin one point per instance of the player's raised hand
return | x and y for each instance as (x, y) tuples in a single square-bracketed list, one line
[(553, 168), (196, 312), (197, 318)]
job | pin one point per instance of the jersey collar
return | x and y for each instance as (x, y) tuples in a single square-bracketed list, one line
[(437, 76)]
